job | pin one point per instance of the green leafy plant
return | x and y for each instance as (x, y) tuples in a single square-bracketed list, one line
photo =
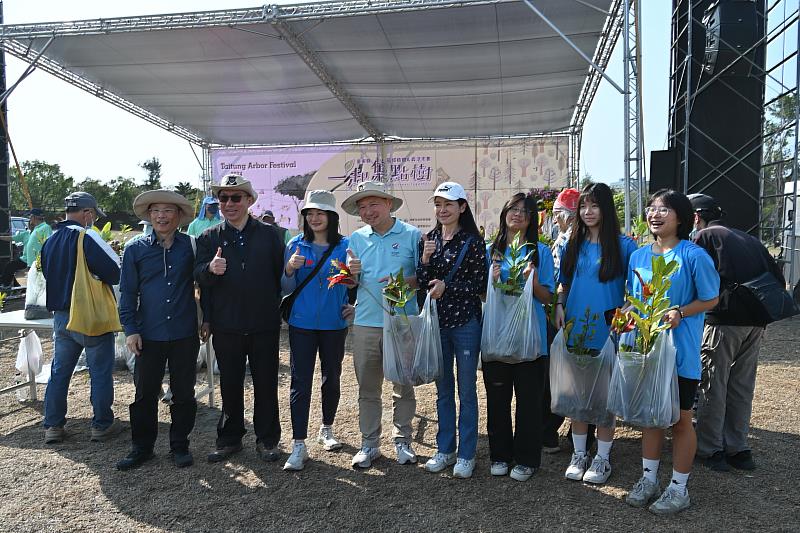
[(577, 342), (2, 299), (398, 293), (517, 262), (640, 230), (646, 314)]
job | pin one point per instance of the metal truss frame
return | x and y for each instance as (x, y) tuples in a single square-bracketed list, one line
[(17, 41), (787, 130)]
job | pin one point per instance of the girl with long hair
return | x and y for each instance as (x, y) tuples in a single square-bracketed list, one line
[(694, 290), (317, 321), (453, 269), (521, 445), (594, 263)]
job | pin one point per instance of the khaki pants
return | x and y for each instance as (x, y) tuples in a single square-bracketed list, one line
[(730, 359), (368, 362)]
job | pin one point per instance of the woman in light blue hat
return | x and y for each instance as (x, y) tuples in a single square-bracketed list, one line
[(317, 320)]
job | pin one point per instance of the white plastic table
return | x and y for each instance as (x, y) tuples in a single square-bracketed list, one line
[(16, 320)]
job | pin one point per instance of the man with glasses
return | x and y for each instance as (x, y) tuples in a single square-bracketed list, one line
[(239, 264), (59, 258), (159, 316)]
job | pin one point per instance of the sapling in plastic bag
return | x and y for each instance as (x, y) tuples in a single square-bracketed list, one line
[(510, 331), (579, 382), (644, 387)]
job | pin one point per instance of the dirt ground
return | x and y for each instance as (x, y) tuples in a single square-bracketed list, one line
[(75, 487)]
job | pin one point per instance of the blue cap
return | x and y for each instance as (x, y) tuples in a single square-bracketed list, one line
[(83, 200)]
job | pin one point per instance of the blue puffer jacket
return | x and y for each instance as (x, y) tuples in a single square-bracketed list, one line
[(316, 307)]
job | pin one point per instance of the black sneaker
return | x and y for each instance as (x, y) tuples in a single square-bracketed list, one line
[(182, 458), (222, 453), (742, 460), (269, 454), (717, 462), (135, 459)]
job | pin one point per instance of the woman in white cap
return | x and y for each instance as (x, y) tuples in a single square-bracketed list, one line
[(453, 269), (317, 320)]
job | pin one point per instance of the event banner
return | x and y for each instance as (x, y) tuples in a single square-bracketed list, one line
[(491, 171)]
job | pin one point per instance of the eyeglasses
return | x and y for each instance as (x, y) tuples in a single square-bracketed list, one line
[(235, 198), (169, 212), (661, 210), (518, 211)]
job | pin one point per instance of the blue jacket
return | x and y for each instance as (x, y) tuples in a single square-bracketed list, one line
[(59, 255), (316, 307)]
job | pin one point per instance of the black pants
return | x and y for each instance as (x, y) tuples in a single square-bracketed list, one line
[(233, 353), (148, 373), (522, 444), (304, 344)]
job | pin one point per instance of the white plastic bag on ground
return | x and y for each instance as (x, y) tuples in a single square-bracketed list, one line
[(412, 346), (29, 354), (579, 383), (510, 331), (644, 387), (35, 295)]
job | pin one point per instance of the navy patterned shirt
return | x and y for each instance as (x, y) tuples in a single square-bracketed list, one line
[(461, 300)]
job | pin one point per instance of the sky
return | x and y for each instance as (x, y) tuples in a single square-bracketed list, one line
[(52, 121)]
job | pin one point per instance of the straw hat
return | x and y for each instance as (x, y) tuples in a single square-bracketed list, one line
[(142, 203)]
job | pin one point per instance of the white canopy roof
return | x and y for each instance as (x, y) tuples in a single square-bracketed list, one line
[(336, 71)]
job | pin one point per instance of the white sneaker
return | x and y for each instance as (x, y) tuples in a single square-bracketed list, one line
[(522, 473), (298, 458), (598, 472), (464, 468), (499, 468), (328, 440), (440, 461), (405, 453), (364, 457), (577, 466)]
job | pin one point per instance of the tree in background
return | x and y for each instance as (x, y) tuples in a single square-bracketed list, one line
[(779, 149), (153, 169), (101, 192), (47, 184), (295, 187), (123, 192), (190, 192)]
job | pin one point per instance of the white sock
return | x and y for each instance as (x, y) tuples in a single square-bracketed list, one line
[(678, 482), (301, 441), (604, 448), (579, 442), (650, 469)]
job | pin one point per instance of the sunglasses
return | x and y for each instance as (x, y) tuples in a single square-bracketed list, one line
[(235, 198)]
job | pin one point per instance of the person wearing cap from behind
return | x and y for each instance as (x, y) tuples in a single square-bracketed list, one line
[(147, 229), (40, 231), (382, 247), (207, 217), (238, 266), (269, 218), (732, 339), (158, 314), (59, 259)]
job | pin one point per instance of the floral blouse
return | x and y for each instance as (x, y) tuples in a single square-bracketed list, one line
[(461, 299)]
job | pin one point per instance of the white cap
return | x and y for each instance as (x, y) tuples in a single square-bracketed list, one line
[(449, 190)]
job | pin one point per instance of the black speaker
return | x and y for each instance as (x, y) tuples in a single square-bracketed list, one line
[(732, 28), (724, 129), (664, 170)]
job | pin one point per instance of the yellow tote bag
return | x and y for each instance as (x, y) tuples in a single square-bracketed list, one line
[(93, 308)]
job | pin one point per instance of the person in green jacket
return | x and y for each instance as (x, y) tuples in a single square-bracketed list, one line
[(40, 231), (206, 218)]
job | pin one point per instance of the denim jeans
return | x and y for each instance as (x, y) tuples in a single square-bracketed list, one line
[(100, 358), (463, 344)]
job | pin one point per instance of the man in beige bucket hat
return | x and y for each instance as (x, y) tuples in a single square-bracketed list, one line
[(383, 246), (159, 316)]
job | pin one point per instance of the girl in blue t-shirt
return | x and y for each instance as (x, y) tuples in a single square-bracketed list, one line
[(694, 290), (594, 263), (523, 444)]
